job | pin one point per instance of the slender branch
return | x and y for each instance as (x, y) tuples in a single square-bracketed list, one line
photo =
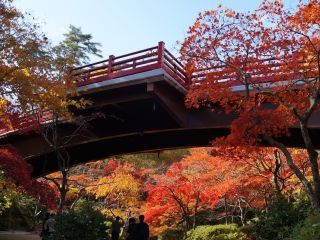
[(290, 162)]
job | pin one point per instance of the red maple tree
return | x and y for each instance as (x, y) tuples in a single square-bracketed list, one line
[(265, 67), (16, 169)]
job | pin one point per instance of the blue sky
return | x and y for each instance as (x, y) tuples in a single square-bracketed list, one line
[(123, 26)]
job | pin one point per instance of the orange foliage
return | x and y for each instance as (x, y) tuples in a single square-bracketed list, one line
[(231, 176), (263, 66), (188, 187), (268, 52)]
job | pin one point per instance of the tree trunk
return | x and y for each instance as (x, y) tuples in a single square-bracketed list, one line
[(313, 158), (276, 173), (313, 196), (63, 189), (226, 208), (241, 213)]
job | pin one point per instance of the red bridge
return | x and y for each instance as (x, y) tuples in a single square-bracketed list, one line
[(137, 106)]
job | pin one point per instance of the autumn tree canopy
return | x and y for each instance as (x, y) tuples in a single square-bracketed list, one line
[(263, 65), (36, 81), (31, 78), (197, 183)]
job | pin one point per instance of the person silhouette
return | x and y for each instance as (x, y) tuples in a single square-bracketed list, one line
[(116, 229), (44, 232), (141, 230), (131, 227), (49, 224)]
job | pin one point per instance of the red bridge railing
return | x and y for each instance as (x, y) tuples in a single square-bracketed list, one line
[(27, 122), (263, 71), (132, 63)]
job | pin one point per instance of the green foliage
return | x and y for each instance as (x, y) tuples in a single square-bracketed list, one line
[(171, 234), (209, 217), (248, 229), (162, 158), (216, 232), (24, 212), (82, 223), (308, 230), (5, 194), (5, 200), (76, 47), (280, 219)]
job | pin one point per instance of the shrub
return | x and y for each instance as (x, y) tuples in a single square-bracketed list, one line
[(171, 234), (247, 229), (308, 230), (23, 212), (83, 223), (216, 232), (280, 219)]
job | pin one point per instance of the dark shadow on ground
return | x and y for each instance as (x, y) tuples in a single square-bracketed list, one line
[(17, 235)]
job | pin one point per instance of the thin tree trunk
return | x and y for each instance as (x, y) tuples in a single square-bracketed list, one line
[(305, 183), (63, 189), (313, 158), (195, 211), (226, 208), (241, 213), (276, 173)]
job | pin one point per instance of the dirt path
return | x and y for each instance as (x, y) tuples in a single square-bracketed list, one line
[(18, 236)]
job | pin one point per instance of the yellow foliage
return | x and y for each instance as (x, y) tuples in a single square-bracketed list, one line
[(122, 187), (120, 192), (31, 77)]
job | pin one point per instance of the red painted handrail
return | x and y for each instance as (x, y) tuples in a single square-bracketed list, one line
[(28, 121), (269, 70), (132, 63)]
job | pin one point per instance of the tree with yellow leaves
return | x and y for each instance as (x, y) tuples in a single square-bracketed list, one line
[(75, 49), (30, 76), (35, 78), (120, 189)]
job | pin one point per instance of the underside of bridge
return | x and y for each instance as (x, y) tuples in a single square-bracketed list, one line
[(146, 113)]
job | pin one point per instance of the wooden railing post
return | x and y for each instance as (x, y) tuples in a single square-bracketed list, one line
[(161, 53), (188, 76), (110, 63), (87, 76), (188, 80)]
